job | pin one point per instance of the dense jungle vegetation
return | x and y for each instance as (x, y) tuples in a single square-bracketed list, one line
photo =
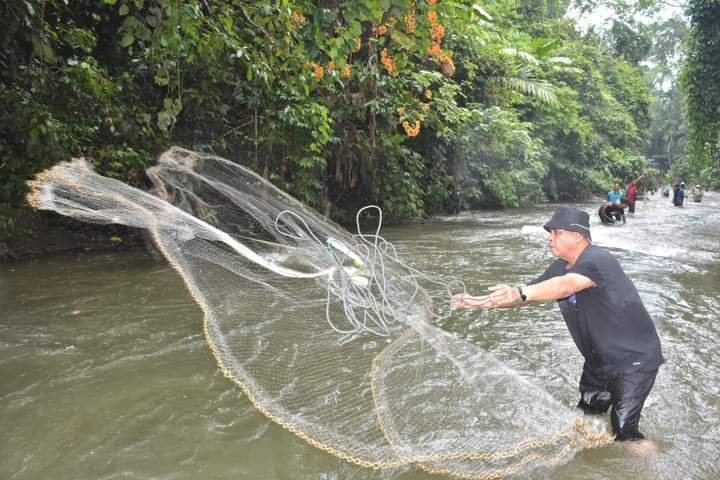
[(419, 106)]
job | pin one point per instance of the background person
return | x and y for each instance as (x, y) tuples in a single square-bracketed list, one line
[(631, 194), (679, 195), (614, 208), (697, 193)]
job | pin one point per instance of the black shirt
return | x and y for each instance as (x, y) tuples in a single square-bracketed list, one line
[(609, 323)]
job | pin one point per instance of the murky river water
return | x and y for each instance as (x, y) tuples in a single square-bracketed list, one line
[(105, 372)]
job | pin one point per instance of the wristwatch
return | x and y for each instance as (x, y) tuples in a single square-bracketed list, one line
[(523, 297)]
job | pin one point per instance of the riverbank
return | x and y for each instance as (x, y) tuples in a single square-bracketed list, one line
[(51, 234), (39, 233)]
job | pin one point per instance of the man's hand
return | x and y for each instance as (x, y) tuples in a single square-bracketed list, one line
[(463, 301), (500, 296), (504, 295)]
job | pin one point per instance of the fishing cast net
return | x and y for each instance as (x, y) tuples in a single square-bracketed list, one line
[(328, 333)]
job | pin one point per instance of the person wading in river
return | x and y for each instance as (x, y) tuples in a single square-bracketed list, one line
[(631, 194), (605, 316)]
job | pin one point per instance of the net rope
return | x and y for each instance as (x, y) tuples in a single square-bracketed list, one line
[(329, 334)]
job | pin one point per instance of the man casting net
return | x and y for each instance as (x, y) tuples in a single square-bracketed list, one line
[(328, 334)]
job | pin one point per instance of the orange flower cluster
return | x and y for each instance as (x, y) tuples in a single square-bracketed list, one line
[(437, 32), (346, 71), (318, 70), (297, 19), (434, 50), (331, 66), (411, 130), (409, 19), (357, 46), (381, 30), (388, 62), (447, 65)]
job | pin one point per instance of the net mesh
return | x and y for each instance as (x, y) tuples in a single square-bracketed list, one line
[(329, 334)]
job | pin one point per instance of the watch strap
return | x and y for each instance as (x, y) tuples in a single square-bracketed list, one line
[(523, 297)]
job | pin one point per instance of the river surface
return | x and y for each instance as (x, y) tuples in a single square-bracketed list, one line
[(105, 372)]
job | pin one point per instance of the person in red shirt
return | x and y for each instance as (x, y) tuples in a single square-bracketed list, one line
[(631, 194)]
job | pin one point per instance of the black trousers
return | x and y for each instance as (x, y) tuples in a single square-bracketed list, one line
[(625, 392)]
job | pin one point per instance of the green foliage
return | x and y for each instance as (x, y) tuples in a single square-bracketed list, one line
[(61, 99), (340, 106), (699, 79), (403, 193), (630, 40), (669, 129), (502, 161)]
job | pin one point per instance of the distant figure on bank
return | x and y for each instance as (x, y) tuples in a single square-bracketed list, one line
[(605, 316), (454, 201), (679, 194)]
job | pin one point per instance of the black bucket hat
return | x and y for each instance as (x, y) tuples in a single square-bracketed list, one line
[(570, 219)]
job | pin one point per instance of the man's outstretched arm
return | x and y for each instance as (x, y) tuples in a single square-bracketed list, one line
[(504, 296)]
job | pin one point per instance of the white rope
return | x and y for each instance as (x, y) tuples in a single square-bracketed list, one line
[(369, 294)]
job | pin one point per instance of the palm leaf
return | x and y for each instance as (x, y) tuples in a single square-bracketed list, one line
[(569, 70), (564, 60), (528, 57), (533, 87)]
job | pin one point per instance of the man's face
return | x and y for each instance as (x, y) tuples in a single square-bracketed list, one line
[(561, 242), (616, 187)]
